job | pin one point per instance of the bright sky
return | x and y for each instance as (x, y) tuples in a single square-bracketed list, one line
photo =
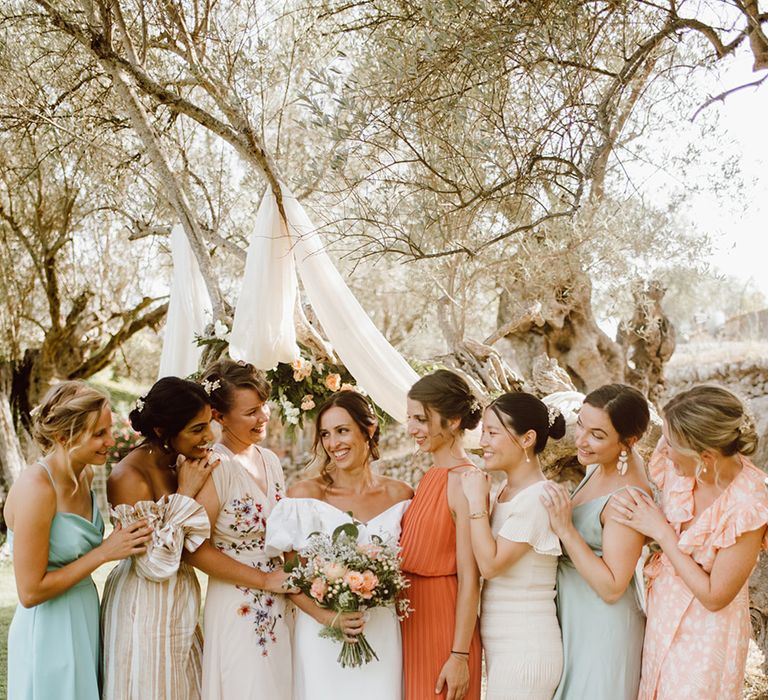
[(740, 225)]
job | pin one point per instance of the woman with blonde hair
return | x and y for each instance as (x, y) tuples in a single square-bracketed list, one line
[(343, 490), (711, 527), (55, 532)]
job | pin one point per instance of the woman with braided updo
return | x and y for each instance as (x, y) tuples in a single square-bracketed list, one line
[(711, 527), (55, 532)]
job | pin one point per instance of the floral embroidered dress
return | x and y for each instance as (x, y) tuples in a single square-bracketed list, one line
[(247, 650), (691, 653)]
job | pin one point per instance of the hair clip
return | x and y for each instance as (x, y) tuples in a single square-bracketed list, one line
[(35, 412), (552, 412), (474, 406), (210, 386), (746, 423), (139, 404)]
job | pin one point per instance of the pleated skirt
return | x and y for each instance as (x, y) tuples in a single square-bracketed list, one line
[(428, 636)]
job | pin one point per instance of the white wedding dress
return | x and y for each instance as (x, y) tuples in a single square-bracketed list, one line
[(316, 672)]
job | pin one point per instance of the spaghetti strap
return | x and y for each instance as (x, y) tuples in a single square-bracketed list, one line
[(47, 471)]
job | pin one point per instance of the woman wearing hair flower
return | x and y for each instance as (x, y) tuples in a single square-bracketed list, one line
[(344, 491), (247, 638), (517, 551), (711, 528), (152, 601)]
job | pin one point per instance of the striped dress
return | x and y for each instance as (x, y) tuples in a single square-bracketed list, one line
[(152, 643)]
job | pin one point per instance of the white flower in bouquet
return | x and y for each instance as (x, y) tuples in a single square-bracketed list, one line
[(341, 575)]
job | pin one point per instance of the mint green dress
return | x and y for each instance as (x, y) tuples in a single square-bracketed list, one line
[(602, 642), (53, 647)]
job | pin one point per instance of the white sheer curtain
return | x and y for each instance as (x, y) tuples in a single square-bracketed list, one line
[(188, 311), (262, 336), (263, 331)]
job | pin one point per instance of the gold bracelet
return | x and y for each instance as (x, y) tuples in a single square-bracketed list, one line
[(478, 514)]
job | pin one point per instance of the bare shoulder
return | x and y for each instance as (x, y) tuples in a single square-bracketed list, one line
[(396, 489), (32, 486), (128, 482), (461, 469), (307, 488)]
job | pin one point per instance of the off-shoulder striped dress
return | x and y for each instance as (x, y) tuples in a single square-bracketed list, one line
[(152, 643)]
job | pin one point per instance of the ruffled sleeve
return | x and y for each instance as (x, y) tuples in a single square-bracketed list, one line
[(742, 508), (528, 521), (659, 465), (289, 525), (747, 508), (177, 521)]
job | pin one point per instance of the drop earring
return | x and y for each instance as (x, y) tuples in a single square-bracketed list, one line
[(623, 463)]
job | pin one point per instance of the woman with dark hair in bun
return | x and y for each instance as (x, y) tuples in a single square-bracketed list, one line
[(711, 528), (441, 638), (152, 645), (598, 600), (517, 551)]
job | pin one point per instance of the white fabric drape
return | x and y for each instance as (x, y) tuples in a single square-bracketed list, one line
[(188, 311), (263, 331), (373, 362)]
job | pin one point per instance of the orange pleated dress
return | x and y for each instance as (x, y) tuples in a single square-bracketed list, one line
[(428, 542)]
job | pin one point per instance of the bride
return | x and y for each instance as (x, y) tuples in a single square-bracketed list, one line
[(344, 489)]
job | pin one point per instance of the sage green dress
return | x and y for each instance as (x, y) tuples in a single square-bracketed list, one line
[(53, 647), (602, 642)]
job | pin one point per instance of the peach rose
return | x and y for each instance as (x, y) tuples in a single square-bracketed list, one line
[(307, 403), (318, 589), (334, 571), (333, 382), (346, 386), (370, 581), (354, 579), (371, 550), (301, 369)]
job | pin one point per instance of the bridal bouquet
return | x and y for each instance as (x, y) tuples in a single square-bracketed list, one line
[(341, 575)]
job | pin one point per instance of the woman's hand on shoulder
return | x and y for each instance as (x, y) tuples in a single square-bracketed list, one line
[(192, 474), (557, 501), (476, 485), (637, 510)]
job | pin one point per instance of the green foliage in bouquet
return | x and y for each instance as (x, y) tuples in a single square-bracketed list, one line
[(342, 575), (301, 387)]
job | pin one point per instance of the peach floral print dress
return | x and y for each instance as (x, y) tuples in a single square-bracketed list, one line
[(690, 652)]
